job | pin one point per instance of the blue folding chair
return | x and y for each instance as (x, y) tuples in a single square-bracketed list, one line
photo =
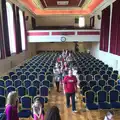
[(115, 72), (117, 87), (96, 88), (35, 73), (14, 77), (102, 83), (17, 83), (27, 83), (82, 84), (8, 83), (23, 70), (6, 77), (46, 83), (11, 73), (103, 100), (31, 70), (89, 77), (10, 89), (27, 73), (92, 83), (26, 102), (2, 103), (114, 99), (41, 77), (2, 83), (36, 83), (97, 77), (114, 76), (102, 72), (31, 77), (107, 88), (23, 77), (37, 70), (85, 89), (50, 78), (105, 77), (90, 100), (111, 82), (44, 91), (32, 91), (109, 73), (81, 77), (19, 73), (2, 91)]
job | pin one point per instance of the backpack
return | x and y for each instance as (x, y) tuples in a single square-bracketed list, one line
[(3, 116)]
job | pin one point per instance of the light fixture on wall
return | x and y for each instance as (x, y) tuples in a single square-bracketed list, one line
[(66, 2)]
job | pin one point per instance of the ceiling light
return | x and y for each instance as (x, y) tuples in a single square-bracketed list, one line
[(62, 2)]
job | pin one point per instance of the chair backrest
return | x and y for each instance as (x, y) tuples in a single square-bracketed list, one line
[(14, 77), (35, 73), (109, 72), (105, 77), (44, 91), (102, 83), (8, 83), (46, 83), (11, 73), (27, 83), (2, 101), (31, 77), (85, 89), (97, 77), (115, 72), (23, 77), (41, 77), (114, 76), (2, 91), (102, 96), (114, 96), (6, 77), (92, 83), (96, 88), (81, 77), (32, 91), (111, 82), (2, 83), (102, 72), (49, 78), (10, 89), (26, 102), (89, 77), (19, 73), (17, 83), (82, 84), (107, 88), (36, 83), (21, 91), (117, 87), (90, 96)]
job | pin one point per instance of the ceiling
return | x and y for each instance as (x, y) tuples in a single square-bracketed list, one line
[(53, 3), (50, 7)]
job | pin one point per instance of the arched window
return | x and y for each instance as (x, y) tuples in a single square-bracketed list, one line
[(11, 28), (22, 28), (81, 22)]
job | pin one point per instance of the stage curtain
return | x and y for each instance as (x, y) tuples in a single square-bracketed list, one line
[(115, 29), (5, 28), (105, 23)]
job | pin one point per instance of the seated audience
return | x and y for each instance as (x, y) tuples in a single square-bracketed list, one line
[(53, 114), (11, 109), (38, 111)]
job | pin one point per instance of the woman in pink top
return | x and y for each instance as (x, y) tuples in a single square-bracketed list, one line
[(38, 111), (11, 109)]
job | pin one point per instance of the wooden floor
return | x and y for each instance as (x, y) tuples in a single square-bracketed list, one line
[(58, 99)]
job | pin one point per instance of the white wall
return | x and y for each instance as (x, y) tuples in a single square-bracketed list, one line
[(59, 21), (110, 59)]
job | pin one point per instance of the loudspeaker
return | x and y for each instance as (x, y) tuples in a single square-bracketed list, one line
[(99, 17), (76, 20), (26, 18)]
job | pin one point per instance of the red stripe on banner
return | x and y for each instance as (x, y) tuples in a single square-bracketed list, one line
[(37, 33), (63, 33), (88, 33)]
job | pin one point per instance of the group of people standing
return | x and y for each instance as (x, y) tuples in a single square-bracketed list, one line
[(63, 73)]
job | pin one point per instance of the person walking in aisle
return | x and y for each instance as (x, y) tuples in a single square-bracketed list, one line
[(70, 87)]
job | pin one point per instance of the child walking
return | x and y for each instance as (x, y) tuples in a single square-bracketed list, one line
[(38, 112)]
